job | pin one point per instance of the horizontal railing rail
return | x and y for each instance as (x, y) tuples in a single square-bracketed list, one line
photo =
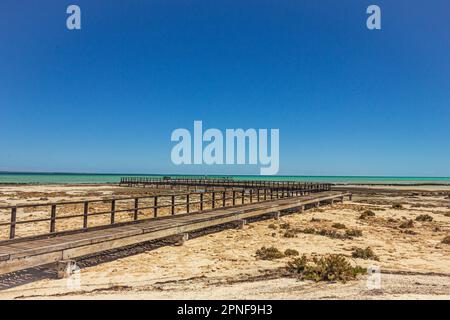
[(224, 183), (189, 202)]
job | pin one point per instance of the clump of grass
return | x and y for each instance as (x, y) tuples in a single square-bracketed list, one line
[(309, 230), (410, 232), (406, 224), (446, 240), (313, 219), (272, 226), (329, 268), (366, 254), (353, 233), (270, 253), (285, 225), (331, 234), (397, 205), (447, 214), (366, 214), (338, 225), (291, 252), (289, 234), (424, 217)]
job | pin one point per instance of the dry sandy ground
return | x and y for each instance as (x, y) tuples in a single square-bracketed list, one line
[(223, 265)]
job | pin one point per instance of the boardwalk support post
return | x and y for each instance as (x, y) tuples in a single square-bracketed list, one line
[(65, 268), (239, 224), (181, 239), (276, 215)]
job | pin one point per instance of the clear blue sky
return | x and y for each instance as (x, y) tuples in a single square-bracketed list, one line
[(347, 101)]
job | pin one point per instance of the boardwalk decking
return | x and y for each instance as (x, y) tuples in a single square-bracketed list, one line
[(31, 252)]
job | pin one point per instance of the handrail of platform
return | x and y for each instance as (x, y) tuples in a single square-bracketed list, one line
[(204, 199)]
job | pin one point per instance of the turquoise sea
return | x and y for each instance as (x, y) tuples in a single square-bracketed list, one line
[(14, 177)]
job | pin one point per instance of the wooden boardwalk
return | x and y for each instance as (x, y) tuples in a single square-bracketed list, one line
[(18, 254)]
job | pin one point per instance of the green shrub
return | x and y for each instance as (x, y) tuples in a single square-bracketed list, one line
[(446, 240), (291, 252), (366, 214), (406, 224), (397, 205), (353, 233), (338, 225), (331, 234), (289, 234), (329, 268), (366, 254), (424, 217), (309, 230), (270, 253), (285, 226)]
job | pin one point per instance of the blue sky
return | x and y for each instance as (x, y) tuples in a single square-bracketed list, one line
[(347, 101)]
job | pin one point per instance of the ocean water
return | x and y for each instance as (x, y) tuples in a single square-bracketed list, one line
[(45, 178)]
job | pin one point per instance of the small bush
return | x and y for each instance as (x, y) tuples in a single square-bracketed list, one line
[(330, 268), (331, 234), (397, 205), (366, 214), (338, 225), (406, 224), (270, 253), (410, 232), (289, 234), (366, 254), (353, 233), (309, 230), (297, 265), (291, 252), (446, 240), (272, 226), (285, 226), (424, 217)]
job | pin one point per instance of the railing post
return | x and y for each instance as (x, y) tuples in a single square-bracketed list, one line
[(213, 196), (201, 201), (85, 214), (155, 207), (251, 195), (257, 194), (223, 198), (234, 197), (136, 208), (187, 203), (173, 204), (12, 227), (113, 211), (53, 219), (243, 196)]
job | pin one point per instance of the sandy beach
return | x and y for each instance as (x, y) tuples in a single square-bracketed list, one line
[(222, 264)]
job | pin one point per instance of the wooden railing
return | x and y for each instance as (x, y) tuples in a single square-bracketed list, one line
[(172, 204), (226, 183)]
